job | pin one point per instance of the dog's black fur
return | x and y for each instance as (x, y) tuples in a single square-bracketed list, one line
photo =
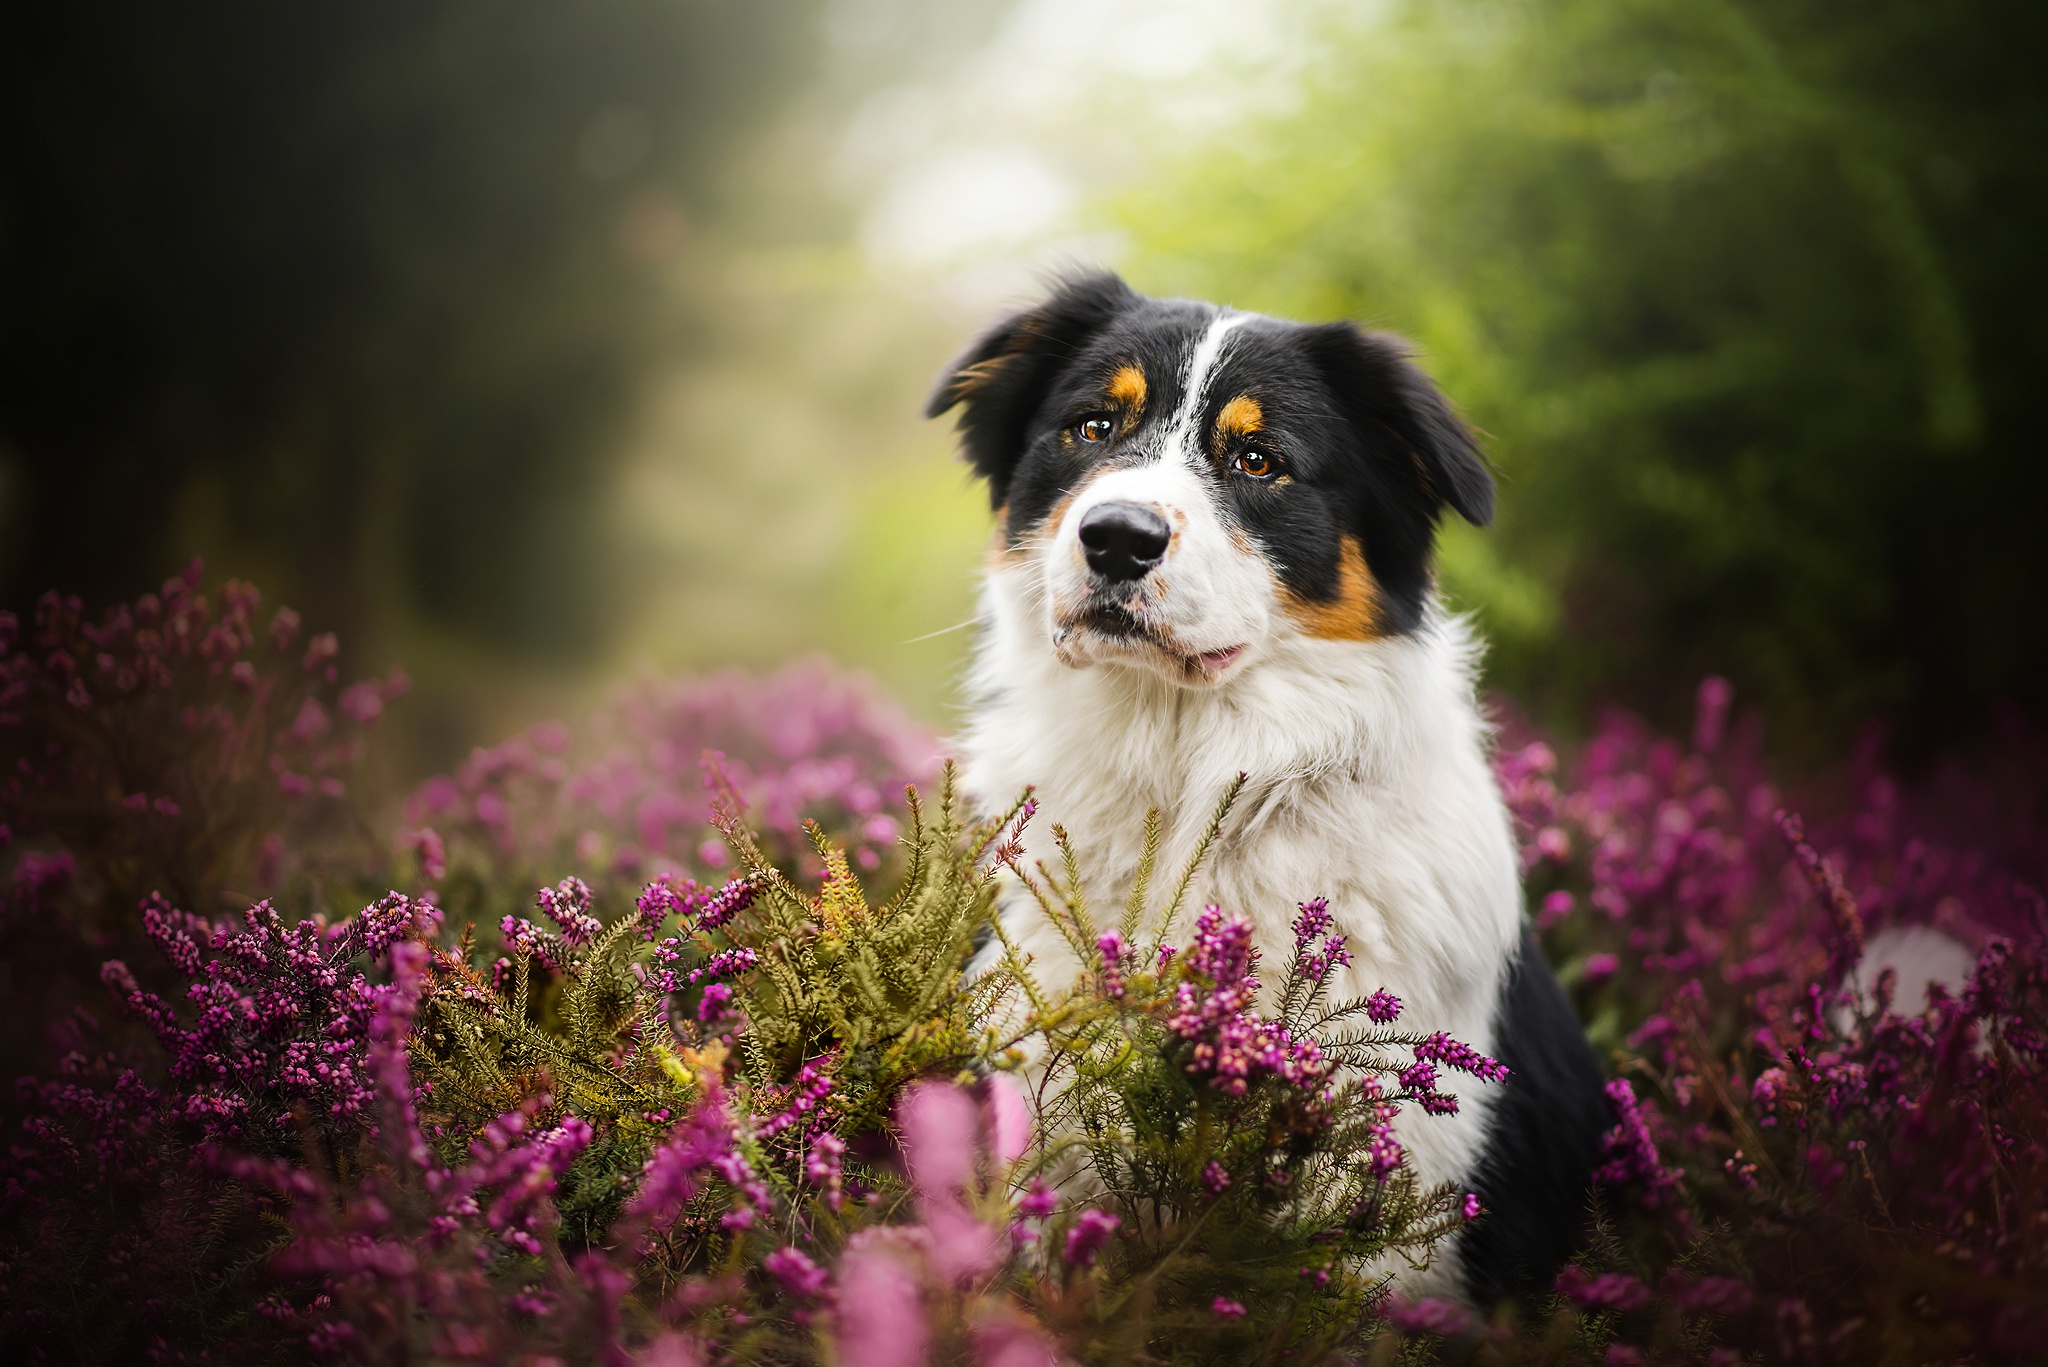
[(1543, 1142)]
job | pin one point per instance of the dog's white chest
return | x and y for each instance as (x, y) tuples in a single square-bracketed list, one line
[(1367, 784)]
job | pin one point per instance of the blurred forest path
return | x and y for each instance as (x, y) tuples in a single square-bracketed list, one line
[(530, 346)]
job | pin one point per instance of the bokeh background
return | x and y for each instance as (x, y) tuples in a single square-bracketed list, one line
[(533, 345)]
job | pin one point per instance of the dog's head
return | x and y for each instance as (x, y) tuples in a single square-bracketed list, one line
[(1181, 486)]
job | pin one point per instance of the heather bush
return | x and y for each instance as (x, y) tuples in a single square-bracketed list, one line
[(1821, 1155), (762, 1115), (625, 797), (185, 744)]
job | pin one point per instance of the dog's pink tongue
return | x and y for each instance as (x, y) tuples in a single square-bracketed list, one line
[(1215, 661)]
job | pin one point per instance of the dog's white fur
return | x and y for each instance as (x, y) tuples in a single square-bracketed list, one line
[(1368, 781)]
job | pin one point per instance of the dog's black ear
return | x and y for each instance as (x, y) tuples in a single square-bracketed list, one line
[(1401, 416), (1001, 380)]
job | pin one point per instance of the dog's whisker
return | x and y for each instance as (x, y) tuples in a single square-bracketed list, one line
[(942, 631)]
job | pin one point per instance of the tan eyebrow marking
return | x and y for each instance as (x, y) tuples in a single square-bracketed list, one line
[(1127, 387), (1354, 614), (1241, 417)]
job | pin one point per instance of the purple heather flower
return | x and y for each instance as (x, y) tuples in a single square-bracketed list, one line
[(432, 852), (1556, 906), (567, 904), (807, 1091), (797, 1273), (1608, 1291), (1007, 1339), (1629, 1151), (1383, 1007), (1313, 923), (1008, 1117), (1471, 1208), (1715, 1296), (1087, 1237), (713, 1003), (1215, 1179), (823, 1168), (1428, 1316), (671, 1178), (880, 1320), (961, 1248), (941, 1132), (1039, 1201), (1711, 713), (1441, 1048), (1110, 945), (1225, 1309)]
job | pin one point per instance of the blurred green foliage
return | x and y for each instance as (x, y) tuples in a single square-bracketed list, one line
[(1749, 297), (355, 296)]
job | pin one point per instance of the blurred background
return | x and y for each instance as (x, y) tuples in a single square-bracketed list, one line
[(533, 345)]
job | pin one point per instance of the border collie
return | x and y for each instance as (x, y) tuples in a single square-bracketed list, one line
[(1213, 555)]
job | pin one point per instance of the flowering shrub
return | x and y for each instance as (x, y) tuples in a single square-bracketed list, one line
[(186, 743), (765, 1117), (1817, 1156), (626, 797)]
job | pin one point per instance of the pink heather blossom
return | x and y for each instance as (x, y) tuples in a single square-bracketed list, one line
[(808, 1091), (1215, 1180), (809, 742), (941, 1132), (432, 853), (1110, 946), (1629, 1150), (880, 1317), (1005, 1338), (1608, 1291), (961, 1247), (1711, 713), (1010, 1125), (1714, 1296), (1226, 1309), (822, 1168), (1428, 1316), (796, 1272), (1090, 1232), (1233, 1046), (1039, 1202), (1383, 1007), (1441, 1048)]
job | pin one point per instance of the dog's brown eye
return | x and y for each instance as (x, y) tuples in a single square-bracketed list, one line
[(1095, 429), (1257, 464)]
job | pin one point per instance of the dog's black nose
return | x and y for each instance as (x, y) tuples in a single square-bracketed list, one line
[(1123, 540)]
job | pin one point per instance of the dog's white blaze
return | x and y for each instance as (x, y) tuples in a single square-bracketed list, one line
[(1182, 438)]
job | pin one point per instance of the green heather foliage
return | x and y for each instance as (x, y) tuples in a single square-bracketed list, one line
[(1746, 294)]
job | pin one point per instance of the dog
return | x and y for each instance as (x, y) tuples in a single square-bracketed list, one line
[(1213, 555)]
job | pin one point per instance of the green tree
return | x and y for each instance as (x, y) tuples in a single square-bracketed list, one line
[(1749, 298)]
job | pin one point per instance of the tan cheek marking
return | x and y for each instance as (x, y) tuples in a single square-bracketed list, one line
[(1353, 615)]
